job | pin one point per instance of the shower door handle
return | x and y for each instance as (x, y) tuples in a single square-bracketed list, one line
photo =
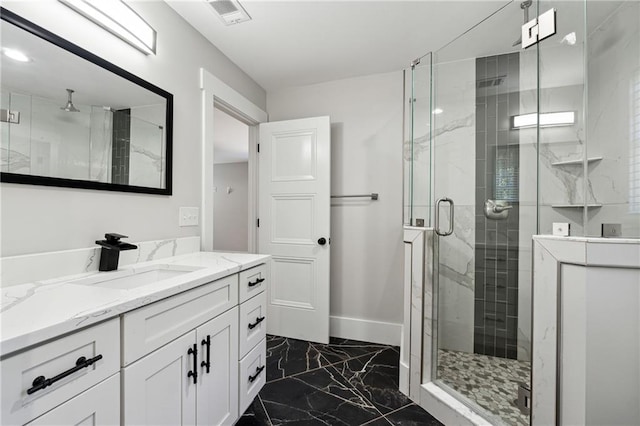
[(451, 207)]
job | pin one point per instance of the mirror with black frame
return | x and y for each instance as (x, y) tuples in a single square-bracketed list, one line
[(70, 118)]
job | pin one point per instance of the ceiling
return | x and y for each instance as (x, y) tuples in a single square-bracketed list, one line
[(295, 43)]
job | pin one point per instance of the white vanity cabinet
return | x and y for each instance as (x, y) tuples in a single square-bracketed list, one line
[(192, 376), (64, 375), (194, 357), (253, 332)]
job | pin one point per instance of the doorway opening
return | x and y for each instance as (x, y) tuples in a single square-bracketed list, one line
[(231, 183)]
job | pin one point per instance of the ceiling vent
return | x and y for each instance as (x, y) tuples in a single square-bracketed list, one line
[(230, 11)]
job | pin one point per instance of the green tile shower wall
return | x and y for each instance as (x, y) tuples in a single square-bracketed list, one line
[(497, 165)]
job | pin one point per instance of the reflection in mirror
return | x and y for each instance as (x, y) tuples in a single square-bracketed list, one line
[(69, 118)]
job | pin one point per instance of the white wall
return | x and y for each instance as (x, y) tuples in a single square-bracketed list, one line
[(366, 155), (38, 219), (231, 207)]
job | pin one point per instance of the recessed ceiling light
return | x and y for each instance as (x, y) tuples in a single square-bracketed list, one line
[(16, 55), (230, 11), (437, 111)]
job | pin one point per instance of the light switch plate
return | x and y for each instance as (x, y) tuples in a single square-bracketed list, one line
[(189, 216), (561, 229)]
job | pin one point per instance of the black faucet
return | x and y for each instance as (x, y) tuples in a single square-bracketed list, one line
[(110, 252)]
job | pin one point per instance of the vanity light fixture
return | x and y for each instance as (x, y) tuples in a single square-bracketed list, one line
[(15, 54), (547, 119), (230, 11), (119, 19)]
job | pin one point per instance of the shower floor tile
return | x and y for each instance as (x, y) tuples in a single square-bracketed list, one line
[(491, 382)]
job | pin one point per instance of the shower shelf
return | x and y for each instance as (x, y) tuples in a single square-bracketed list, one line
[(575, 162), (575, 206)]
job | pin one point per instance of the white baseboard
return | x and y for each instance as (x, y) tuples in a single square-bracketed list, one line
[(386, 333)]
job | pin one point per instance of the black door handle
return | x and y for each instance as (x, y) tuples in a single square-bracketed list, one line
[(41, 382), (256, 282), (322, 241), (255, 324), (207, 342), (255, 376), (194, 373)]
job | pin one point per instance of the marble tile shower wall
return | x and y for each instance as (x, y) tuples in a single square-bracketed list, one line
[(497, 172), (613, 125)]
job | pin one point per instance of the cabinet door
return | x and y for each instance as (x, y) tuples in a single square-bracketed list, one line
[(218, 387), (157, 389), (98, 406)]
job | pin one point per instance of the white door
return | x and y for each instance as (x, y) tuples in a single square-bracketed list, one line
[(293, 209), (157, 389), (217, 401)]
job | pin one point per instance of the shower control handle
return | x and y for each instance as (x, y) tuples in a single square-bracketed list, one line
[(496, 210), (437, 216)]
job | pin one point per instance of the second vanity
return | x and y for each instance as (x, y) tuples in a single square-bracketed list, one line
[(180, 340)]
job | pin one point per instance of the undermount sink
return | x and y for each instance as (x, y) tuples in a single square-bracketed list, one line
[(127, 279)]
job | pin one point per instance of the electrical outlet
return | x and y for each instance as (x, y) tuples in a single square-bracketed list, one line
[(189, 216)]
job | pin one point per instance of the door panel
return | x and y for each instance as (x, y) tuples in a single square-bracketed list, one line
[(157, 390), (218, 387), (294, 209)]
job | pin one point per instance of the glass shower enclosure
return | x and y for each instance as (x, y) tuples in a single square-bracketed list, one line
[(504, 143)]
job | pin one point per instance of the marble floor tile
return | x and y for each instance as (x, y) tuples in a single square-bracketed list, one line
[(380, 421), (412, 415), (286, 357), (317, 397), (255, 415), (376, 377), (346, 383), (343, 349)]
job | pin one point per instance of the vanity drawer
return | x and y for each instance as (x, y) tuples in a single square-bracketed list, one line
[(253, 281), (252, 374), (100, 404), (253, 322), (155, 325), (99, 343)]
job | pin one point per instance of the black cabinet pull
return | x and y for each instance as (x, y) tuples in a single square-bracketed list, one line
[(255, 376), (255, 324), (253, 284), (207, 364), (194, 373), (41, 382)]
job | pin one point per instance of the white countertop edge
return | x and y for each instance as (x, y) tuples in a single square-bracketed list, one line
[(599, 240), (113, 302)]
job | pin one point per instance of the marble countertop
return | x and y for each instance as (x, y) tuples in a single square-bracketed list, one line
[(34, 312)]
